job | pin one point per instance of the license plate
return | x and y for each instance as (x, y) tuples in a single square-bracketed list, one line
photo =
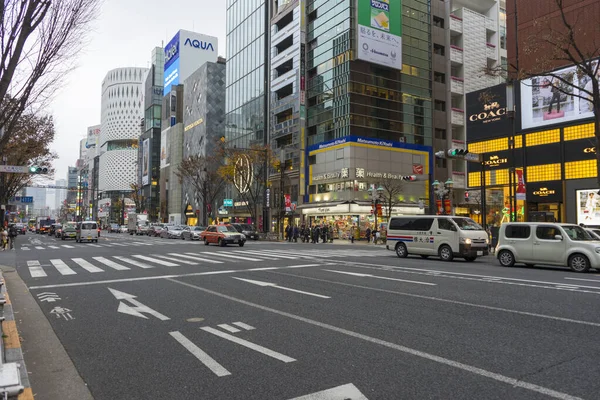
[(89, 237), (480, 253)]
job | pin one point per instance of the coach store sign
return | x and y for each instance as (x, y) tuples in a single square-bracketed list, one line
[(495, 161), (545, 192)]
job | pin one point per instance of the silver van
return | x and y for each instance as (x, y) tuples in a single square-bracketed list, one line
[(88, 231), (546, 243)]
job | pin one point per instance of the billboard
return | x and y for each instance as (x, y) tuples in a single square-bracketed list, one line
[(145, 161), (380, 32), (588, 212), (165, 149), (547, 100), (486, 114)]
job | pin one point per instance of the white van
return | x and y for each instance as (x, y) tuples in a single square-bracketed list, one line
[(437, 235), (545, 243), (87, 230)]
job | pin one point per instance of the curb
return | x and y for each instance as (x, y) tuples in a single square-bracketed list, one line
[(12, 353)]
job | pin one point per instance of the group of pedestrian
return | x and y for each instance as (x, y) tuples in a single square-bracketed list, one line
[(8, 237), (312, 234)]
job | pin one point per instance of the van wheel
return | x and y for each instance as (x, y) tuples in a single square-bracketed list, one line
[(401, 250), (579, 263), (506, 258), (445, 253)]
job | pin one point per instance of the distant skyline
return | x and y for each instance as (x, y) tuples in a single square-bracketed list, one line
[(123, 36)]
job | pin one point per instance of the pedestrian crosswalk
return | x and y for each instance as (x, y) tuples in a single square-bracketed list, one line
[(98, 264), (27, 247)]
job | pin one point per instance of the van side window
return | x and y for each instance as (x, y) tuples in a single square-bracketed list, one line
[(518, 231), (422, 224), (546, 232), (401, 224), (446, 225)]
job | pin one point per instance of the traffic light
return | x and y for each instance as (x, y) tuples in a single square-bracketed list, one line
[(467, 196), (456, 153), (34, 169), (409, 178)]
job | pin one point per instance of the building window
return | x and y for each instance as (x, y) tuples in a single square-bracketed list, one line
[(441, 163), (542, 173), (440, 105), (312, 160), (439, 49), (544, 137), (439, 22), (440, 133), (439, 77), (580, 169), (579, 132)]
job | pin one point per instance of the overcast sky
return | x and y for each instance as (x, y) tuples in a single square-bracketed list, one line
[(123, 36)]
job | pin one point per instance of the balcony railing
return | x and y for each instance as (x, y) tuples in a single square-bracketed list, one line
[(490, 24), (456, 54), (457, 85), (491, 52), (458, 116), (456, 24)]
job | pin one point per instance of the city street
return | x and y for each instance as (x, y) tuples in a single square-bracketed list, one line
[(148, 318)]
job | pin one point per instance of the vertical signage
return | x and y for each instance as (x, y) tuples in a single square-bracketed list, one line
[(171, 71), (380, 32), (145, 161)]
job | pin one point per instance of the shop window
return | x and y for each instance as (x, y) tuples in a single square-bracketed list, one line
[(579, 132), (518, 231), (496, 177), (580, 169), (312, 189), (544, 137), (541, 173)]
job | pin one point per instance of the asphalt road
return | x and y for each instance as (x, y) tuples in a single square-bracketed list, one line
[(155, 318)]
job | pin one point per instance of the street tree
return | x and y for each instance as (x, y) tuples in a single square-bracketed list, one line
[(137, 197), (29, 145), (202, 174), (248, 170), (561, 39), (392, 189), (40, 40)]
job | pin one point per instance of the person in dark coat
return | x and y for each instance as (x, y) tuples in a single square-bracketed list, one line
[(368, 235), (295, 234)]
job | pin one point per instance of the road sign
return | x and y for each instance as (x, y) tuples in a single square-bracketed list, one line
[(16, 169), (228, 202), (138, 309)]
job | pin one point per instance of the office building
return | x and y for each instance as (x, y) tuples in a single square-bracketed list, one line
[(204, 125), (60, 194), (122, 112)]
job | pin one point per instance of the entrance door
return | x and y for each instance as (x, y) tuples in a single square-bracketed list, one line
[(545, 212)]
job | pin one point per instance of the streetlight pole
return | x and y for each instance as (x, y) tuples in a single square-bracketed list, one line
[(443, 192)]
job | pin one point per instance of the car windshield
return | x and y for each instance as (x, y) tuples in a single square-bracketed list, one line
[(199, 228), (467, 224), (577, 233), (226, 228)]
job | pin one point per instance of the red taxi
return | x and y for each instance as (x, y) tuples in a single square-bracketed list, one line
[(222, 235)]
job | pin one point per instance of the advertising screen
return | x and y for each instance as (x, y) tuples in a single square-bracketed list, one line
[(165, 149), (380, 32), (486, 114), (145, 161), (547, 100), (588, 210), (171, 77)]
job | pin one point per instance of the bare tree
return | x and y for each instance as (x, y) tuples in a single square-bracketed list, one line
[(40, 39), (392, 189), (562, 40), (137, 197), (202, 173)]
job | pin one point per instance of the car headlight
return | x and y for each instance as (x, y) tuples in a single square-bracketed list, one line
[(465, 240), (487, 241)]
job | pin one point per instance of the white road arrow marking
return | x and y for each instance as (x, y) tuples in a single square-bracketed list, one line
[(380, 277), (274, 285), (48, 297), (344, 392), (139, 307)]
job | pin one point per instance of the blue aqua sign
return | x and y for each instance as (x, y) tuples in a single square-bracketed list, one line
[(228, 202)]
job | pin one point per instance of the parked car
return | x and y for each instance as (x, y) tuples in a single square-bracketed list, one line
[(595, 232), (155, 230), (52, 229), (193, 233), (247, 229), (114, 228), (172, 232), (222, 235), (547, 243), (142, 229), (69, 231), (123, 229), (21, 229)]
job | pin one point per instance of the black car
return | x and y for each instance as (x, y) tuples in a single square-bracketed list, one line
[(21, 229), (52, 229), (247, 229)]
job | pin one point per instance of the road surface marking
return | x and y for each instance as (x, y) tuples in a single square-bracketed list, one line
[(200, 354), (25, 248), (105, 245), (192, 256), (86, 265), (229, 328), (142, 243), (111, 264), (39, 247), (344, 392), (174, 259), (133, 262), (244, 326), (54, 247), (170, 276), (67, 246), (62, 267), (586, 280), (407, 350), (253, 254), (380, 277), (94, 245), (274, 285), (298, 254), (249, 345), (138, 308), (261, 253), (119, 244), (35, 269), (222, 254), (156, 261)]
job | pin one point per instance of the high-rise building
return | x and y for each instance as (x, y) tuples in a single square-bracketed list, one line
[(122, 112), (469, 52), (60, 194), (204, 125), (39, 201)]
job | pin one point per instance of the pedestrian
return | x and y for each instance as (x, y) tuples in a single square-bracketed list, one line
[(287, 233), (377, 236), (368, 235), (296, 233), (4, 239), (324, 233), (330, 233), (12, 235), (352, 233)]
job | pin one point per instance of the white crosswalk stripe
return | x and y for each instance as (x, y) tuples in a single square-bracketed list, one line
[(253, 254), (133, 262), (87, 265), (53, 247), (174, 259), (94, 245), (63, 268), (111, 264), (156, 261), (35, 269), (39, 247), (194, 256), (223, 254), (260, 253), (66, 246)]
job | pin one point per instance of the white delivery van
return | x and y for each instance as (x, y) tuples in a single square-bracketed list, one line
[(437, 235), (547, 243), (87, 230)]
